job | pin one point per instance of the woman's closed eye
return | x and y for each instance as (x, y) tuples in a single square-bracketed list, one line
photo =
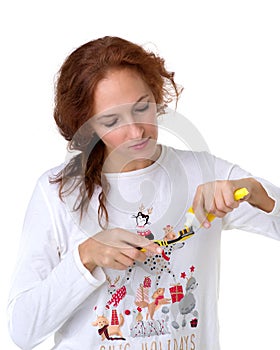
[(111, 123), (142, 107)]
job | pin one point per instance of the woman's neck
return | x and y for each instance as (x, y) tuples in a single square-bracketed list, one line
[(119, 165)]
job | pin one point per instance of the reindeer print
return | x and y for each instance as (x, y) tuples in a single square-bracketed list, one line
[(117, 293)]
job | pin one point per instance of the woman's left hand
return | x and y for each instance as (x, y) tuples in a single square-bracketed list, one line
[(217, 198)]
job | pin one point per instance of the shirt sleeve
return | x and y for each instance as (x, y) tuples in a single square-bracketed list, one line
[(249, 218), (46, 289)]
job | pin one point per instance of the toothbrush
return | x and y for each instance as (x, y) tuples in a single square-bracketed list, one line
[(192, 224)]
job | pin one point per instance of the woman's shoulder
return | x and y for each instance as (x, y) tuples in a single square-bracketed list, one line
[(51, 172), (47, 179), (203, 160)]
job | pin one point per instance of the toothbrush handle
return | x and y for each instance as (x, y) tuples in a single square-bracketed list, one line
[(240, 193)]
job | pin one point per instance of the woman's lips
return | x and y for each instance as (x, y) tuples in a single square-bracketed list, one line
[(141, 144)]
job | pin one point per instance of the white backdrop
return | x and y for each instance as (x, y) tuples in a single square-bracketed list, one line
[(225, 53)]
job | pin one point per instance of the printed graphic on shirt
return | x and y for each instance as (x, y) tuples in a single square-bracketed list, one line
[(117, 294), (110, 330), (142, 222), (158, 303), (185, 309), (155, 313), (156, 307)]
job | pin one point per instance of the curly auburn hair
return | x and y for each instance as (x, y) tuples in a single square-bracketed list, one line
[(74, 100)]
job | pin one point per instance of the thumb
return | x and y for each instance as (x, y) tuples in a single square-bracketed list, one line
[(150, 247)]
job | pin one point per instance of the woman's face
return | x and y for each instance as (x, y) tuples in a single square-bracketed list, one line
[(125, 120)]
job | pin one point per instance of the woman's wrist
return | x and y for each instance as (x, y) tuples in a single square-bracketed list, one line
[(85, 256), (258, 196)]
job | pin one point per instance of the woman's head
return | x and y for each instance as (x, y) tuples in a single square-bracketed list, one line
[(125, 120), (89, 64)]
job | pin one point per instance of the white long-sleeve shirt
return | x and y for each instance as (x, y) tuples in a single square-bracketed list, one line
[(168, 302)]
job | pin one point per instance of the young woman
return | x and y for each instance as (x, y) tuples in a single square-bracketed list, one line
[(89, 271)]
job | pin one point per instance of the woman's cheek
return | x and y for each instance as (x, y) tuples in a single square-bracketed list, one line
[(113, 139)]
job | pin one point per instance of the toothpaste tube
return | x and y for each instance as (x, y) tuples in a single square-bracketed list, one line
[(192, 222)]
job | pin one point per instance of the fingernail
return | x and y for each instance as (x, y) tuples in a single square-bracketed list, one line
[(159, 250), (206, 224)]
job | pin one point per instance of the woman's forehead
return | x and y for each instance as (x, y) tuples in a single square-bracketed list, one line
[(120, 87)]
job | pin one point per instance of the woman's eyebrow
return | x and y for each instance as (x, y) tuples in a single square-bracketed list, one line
[(141, 98), (114, 114)]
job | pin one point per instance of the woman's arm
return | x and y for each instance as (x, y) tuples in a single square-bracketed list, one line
[(46, 289)]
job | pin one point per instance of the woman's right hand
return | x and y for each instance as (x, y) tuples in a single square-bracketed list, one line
[(116, 249)]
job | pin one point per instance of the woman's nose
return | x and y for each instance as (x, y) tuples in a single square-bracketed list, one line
[(135, 130)]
